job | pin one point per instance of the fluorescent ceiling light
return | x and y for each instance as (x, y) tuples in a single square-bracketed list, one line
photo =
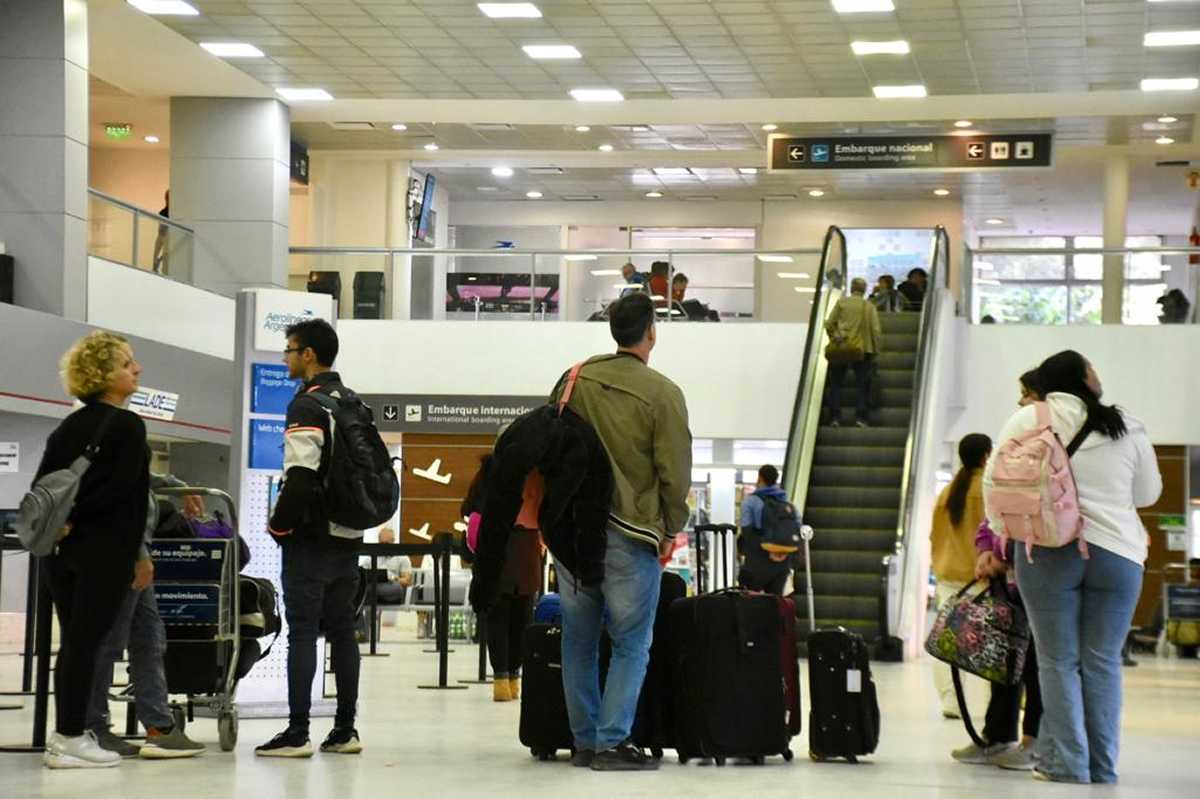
[(1170, 84), (892, 92), (300, 95), (486, 188), (963, 123), (533, 195), (581, 258), (748, 170), (502, 171), (775, 259), (431, 146), (942, 192), (582, 128), (1168, 120), (805, 289), (816, 193), (995, 221), (671, 170), (605, 148), (510, 10), (863, 6), (551, 52), (793, 275), (232, 50), (654, 195), (597, 95), (1171, 39), (1164, 140), (400, 127), (176, 8), (151, 140), (770, 126), (606, 272), (897, 47)]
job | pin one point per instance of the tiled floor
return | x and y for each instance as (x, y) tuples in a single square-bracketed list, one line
[(461, 744)]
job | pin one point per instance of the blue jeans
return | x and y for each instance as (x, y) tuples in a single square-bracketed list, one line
[(632, 578), (1080, 611), (140, 629)]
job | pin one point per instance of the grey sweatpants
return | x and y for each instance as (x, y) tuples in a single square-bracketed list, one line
[(140, 629)]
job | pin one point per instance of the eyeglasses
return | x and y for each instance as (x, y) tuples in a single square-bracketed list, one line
[(290, 350)]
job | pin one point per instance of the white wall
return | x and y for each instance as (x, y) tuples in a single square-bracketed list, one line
[(143, 304), (730, 393)]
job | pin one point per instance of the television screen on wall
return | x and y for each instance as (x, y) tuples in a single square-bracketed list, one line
[(423, 220)]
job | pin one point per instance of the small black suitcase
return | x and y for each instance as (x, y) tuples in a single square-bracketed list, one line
[(545, 727), (843, 719), (654, 724), (737, 692)]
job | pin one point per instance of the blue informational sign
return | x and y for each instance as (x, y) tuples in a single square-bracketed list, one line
[(271, 388), (266, 444)]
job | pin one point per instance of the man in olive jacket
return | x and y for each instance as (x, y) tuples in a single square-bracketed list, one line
[(641, 418)]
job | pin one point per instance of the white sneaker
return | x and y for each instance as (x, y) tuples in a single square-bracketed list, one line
[(977, 756), (78, 751), (1020, 759)]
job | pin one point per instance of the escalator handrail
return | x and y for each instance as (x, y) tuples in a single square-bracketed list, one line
[(801, 442), (938, 278)]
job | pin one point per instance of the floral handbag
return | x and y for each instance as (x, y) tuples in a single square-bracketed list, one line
[(986, 634)]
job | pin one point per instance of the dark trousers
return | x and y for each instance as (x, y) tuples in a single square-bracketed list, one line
[(506, 623), (862, 387), (1004, 706), (88, 591), (319, 585)]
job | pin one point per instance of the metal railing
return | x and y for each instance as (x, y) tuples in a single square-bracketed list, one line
[(121, 232), (535, 290)]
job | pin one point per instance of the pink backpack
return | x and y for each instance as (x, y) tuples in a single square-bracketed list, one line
[(1031, 495)]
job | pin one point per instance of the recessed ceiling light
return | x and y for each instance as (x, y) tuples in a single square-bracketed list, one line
[(605, 148), (942, 192), (963, 123), (793, 275), (400, 127), (176, 8), (816, 193), (862, 6), (431, 146), (995, 221), (300, 95), (502, 171), (805, 289), (486, 188), (582, 128), (1170, 84), (232, 50), (770, 126), (654, 195), (151, 140), (574, 258), (896, 47), (638, 128), (673, 171), (775, 259), (605, 272), (1168, 120), (510, 10), (748, 170), (597, 95), (1164, 140), (1171, 38), (893, 92), (551, 52), (533, 195)]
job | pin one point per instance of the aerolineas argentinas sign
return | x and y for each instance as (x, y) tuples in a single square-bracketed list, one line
[(276, 309)]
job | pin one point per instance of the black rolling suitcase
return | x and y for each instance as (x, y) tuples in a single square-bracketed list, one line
[(737, 692), (545, 727), (654, 724), (843, 719)]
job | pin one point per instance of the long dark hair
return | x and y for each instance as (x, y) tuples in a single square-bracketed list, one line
[(1033, 384), (973, 451), (475, 493), (1066, 373)]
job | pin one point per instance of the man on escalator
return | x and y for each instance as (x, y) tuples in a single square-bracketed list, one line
[(770, 536)]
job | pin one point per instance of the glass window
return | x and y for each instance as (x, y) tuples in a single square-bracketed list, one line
[(1026, 267), (1024, 304), (1141, 303)]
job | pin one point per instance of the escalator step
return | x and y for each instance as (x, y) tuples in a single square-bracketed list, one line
[(891, 397), (851, 518), (851, 436), (878, 541), (874, 476), (853, 456), (845, 607), (844, 561), (895, 378), (849, 584), (852, 497), (900, 342), (884, 417), (909, 323), (895, 359)]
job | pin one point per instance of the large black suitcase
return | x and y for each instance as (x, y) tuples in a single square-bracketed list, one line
[(843, 719), (737, 692), (654, 724), (545, 727)]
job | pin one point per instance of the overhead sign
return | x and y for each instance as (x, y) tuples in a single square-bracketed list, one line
[(910, 152), (271, 389), (118, 130), (299, 171), (150, 403), (10, 457), (266, 444), (447, 413), (276, 309)]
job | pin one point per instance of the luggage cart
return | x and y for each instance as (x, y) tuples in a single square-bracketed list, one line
[(197, 587)]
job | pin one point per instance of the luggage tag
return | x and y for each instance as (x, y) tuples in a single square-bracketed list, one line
[(853, 681)]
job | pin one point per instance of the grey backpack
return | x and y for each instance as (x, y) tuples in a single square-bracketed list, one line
[(46, 506)]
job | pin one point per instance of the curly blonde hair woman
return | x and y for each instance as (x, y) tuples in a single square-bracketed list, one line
[(91, 571)]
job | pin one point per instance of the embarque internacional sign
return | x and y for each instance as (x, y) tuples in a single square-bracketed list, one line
[(447, 413), (911, 152)]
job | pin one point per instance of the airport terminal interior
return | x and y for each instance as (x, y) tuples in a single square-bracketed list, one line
[(466, 191)]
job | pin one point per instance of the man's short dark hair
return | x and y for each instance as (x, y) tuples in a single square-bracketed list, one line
[(630, 318), (768, 474), (917, 272), (680, 277), (891, 281), (318, 335)]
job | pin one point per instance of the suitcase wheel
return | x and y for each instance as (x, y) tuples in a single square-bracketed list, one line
[(683, 759), (788, 756), (719, 760), (758, 760), (852, 759)]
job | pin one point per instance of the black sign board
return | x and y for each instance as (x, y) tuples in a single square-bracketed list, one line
[(447, 413), (299, 163), (911, 152), (1183, 602)]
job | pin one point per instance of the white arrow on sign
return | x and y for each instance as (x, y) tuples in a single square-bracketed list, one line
[(432, 473), (391, 413), (796, 153), (975, 150)]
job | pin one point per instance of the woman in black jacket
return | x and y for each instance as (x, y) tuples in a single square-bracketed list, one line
[(96, 562)]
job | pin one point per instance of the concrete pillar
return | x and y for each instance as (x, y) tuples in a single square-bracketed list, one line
[(44, 151), (1116, 208), (230, 167)]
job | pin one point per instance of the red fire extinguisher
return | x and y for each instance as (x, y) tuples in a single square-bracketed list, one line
[(1194, 240)]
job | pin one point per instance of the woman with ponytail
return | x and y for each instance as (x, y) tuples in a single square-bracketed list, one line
[(956, 517), (1080, 605)]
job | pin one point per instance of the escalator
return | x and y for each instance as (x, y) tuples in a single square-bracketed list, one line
[(855, 485)]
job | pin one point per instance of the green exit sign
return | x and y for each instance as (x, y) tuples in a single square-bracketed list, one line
[(118, 130)]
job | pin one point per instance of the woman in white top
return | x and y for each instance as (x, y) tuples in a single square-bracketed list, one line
[(1081, 608)]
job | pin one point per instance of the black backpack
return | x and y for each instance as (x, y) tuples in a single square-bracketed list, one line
[(258, 611), (361, 489), (779, 524)]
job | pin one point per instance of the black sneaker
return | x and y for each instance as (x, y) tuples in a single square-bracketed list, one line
[(583, 758), (623, 757), (343, 740), (289, 743)]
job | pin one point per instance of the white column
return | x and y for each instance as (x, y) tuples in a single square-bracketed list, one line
[(230, 168), (1116, 207), (44, 151)]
